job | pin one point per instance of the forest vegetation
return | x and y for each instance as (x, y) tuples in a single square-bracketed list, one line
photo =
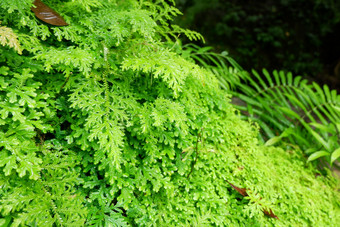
[(108, 119)]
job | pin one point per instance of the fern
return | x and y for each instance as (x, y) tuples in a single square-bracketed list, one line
[(292, 108), (286, 108), (221, 65), (52, 198), (107, 122), (163, 15), (9, 38)]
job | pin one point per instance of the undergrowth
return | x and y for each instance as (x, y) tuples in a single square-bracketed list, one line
[(288, 109), (104, 123)]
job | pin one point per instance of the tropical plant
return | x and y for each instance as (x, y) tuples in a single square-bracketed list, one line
[(102, 123)]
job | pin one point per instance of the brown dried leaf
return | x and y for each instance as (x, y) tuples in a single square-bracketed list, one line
[(242, 191), (48, 15), (270, 213)]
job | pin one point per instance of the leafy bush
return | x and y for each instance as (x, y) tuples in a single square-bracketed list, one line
[(103, 123)]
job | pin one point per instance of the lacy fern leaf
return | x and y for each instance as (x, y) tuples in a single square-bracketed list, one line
[(9, 38), (107, 122)]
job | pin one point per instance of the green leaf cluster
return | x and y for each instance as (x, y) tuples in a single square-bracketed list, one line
[(288, 109), (105, 122), (295, 111)]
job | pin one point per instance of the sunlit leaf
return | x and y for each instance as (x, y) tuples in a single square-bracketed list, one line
[(317, 155), (335, 155)]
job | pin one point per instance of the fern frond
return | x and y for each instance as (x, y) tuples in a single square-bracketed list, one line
[(12, 6), (287, 102), (221, 65), (161, 63), (88, 4), (9, 38), (277, 102)]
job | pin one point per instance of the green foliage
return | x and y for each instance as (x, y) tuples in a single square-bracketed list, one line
[(287, 109), (292, 110), (218, 64), (50, 199), (104, 122)]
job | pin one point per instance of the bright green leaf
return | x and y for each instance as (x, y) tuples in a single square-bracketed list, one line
[(335, 155), (317, 155)]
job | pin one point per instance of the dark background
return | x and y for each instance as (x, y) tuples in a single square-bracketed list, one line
[(301, 36)]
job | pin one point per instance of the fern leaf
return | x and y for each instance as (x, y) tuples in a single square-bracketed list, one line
[(286, 101), (268, 77), (9, 38)]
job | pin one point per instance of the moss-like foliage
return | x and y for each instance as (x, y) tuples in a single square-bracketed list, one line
[(103, 124)]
